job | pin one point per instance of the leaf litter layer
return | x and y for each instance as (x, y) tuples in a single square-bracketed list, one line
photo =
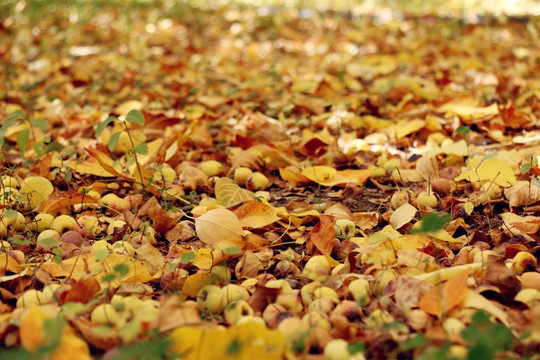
[(268, 182)]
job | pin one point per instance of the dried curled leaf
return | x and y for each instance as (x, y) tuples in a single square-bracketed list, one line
[(523, 193)]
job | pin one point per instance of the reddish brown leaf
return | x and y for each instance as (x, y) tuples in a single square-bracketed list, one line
[(56, 203), (323, 235)]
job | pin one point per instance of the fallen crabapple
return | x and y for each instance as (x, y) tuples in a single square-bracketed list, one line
[(167, 174), (453, 326), (42, 221), (88, 224), (337, 349), (418, 319), (235, 310), (251, 319), (306, 292), (316, 268), (100, 245), (493, 191), (281, 284), (18, 255), (426, 199), (528, 297), (29, 298), (317, 319), (443, 186), (116, 225), (399, 198), (273, 314), (234, 292), (290, 302), (325, 305), (241, 174), (221, 273), (9, 181), (294, 329), (73, 237), (5, 245), (115, 202), (211, 168), (45, 237), (378, 318), (382, 278), (211, 299), (325, 292), (106, 314), (530, 280), (358, 289), (63, 223), (344, 229), (523, 261), (257, 181), (48, 293)]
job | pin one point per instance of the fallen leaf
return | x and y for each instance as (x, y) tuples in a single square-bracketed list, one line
[(255, 214), (492, 169), (57, 203), (216, 225), (403, 215), (228, 192), (323, 235), (439, 301), (523, 193)]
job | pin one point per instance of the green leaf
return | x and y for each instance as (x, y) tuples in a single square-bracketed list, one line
[(10, 214), (187, 257), (114, 140), (109, 278), (431, 223), (22, 139), (49, 242), (121, 269), (104, 124), (356, 348), (142, 149), (414, 342), (17, 241), (463, 130), (136, 117), (233, 250), (14, 116), (102, 254), (525, 168), (40, 124)]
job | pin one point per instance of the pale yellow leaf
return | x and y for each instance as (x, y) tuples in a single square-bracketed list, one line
[(523, 193), (403, 215), (255, 214), (491, 169), (217, 224)]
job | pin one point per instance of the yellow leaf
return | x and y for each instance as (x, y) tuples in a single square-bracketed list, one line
[(84, 264), (124, 108), (196, 281), (467, 111), (459, 148), (217, 224), (193, 112), (255, 214), (404, 128), (7, 263), (491, 169), (319, 174), (31, 329), (228, 192), (328, 176), (403, 215)]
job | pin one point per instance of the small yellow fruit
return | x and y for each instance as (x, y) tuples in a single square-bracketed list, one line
[(105, 314), (317, 319), (530, 280), (273, 314), (344, 228), (294, 329), (257, 181), (281, 284), (378, 318), (113, 201), (426, 199), (306, 292), (359, 291), (47, 240), (42, 221), (382, 278), (392, 164), (399, 198), (290, 302), (89, 223), (236, 310), (29, 298), (528, 296), (325, 292), (250, 319), (453, 326), (48, 293), (317, 268), (241, 174), (337, 349), (63, 223), (235, 292), (211, 299), (523, 261), (493, 191), (10, 181), (100, 245), (211, 168), (222, 273)]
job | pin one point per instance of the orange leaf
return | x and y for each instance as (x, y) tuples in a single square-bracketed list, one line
[(106, 162), (453, 293), (31, 329), (323, 235), (255, 214), (81, 291), (56, 203)]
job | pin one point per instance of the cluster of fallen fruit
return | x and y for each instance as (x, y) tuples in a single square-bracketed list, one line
[(274, 256)]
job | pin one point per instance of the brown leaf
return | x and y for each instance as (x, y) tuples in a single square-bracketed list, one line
[(248, 266), (180, 232), (162, 219), (504, 278), (323, 235), (174, 312), (409, 290), (81, 291)]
